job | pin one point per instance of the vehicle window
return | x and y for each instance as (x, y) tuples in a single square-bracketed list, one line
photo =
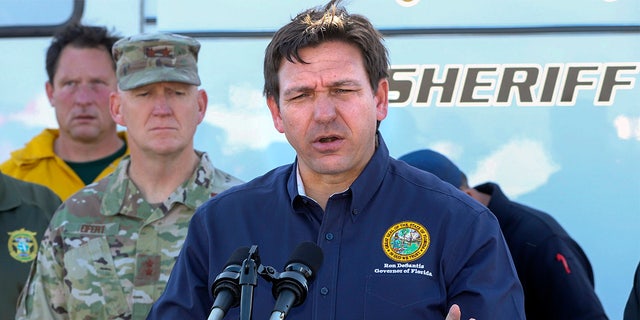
[(30, 18)]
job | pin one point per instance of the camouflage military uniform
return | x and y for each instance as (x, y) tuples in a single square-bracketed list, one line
[(107, 253)]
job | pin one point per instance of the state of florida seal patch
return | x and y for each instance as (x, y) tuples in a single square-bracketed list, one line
[(405, 241), (23, 245)]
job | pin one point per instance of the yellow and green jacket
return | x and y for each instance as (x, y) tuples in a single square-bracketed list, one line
[(38, 163)]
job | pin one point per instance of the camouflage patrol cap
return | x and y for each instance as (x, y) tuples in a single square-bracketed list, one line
[(156, 57)]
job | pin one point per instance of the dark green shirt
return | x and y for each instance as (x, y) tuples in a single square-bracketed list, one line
[(88, 171), (25, 211)]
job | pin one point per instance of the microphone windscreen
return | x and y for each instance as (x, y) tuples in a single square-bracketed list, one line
[(238, 256), (309, 254)]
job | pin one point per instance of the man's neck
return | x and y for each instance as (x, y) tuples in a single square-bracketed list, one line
[(77, 151), (158, 177)]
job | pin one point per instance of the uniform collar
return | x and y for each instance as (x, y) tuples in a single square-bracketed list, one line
[(41, 147), (499, 203), (119, 196), (9, 194)]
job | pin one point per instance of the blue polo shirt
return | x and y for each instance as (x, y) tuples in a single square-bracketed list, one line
[(399, 243)]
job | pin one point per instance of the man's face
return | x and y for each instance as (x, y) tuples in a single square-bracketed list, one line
[(80, 94), (161, 118), (328, 111)]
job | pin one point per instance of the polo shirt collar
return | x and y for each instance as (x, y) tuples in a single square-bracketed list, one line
[(362, 189)]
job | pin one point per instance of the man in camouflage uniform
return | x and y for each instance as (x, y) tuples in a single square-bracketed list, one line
[(109, 249)]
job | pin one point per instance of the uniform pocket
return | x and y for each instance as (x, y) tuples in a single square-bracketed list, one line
[(95, 288)]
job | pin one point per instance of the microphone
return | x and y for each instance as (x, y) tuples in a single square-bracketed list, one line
[(291, 287), (226, 287)]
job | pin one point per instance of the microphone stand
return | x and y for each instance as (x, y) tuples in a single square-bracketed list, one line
[(248, 280)]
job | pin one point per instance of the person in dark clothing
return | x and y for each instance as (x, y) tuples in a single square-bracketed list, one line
[(555, 273), (632, 309), (25, 211)]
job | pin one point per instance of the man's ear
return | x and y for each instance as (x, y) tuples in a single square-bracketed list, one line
[(275, 114), (203, 100), (48, 87), (382, 99), (115, 107)]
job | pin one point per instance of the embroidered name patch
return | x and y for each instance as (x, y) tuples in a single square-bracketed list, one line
[(92, 229)]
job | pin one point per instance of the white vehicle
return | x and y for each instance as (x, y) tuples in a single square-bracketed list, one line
[(538, 96)]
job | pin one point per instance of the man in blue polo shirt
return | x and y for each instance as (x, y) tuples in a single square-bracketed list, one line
[(397, 242)]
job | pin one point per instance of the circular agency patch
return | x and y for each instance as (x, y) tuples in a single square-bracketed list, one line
[(406, 241), (407, 3), (23, 245)]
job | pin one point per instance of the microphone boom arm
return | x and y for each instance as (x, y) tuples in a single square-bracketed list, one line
[(248, 281)]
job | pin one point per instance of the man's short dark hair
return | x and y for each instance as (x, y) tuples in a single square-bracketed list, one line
[(323, 24), (77, 36)]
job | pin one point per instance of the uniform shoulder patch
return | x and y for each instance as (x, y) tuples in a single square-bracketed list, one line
[(406, 241), (23, 245)]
